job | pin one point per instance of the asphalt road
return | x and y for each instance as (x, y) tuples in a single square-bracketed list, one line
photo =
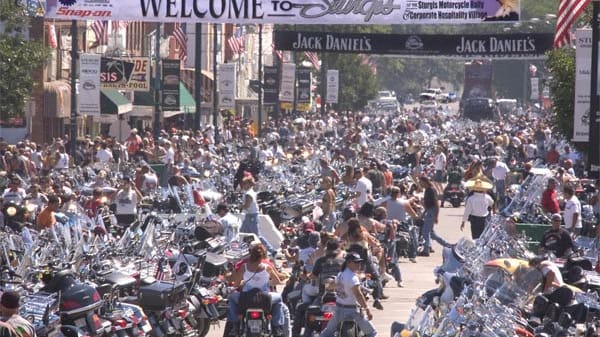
[(417, 277)]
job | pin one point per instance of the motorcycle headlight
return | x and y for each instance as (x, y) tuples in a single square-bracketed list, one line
[(11, 211), (104, 199)]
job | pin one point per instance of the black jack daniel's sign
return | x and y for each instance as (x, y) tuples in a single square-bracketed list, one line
[(458, 46)]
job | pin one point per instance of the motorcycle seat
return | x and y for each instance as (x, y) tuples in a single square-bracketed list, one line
[(147, 281)]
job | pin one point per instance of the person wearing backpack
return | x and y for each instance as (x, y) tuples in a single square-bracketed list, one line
[(326, 266)]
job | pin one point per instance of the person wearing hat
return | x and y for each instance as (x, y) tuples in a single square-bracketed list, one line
[(556, 240), (499, 172), (11, 323), (477, 205), (350, 300)]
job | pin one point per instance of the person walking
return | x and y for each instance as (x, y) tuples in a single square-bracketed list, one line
[(250, 207), (477, 206), (430, 216), (350, 300)]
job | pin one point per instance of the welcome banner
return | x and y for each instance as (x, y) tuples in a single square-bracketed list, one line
[(289, 11)]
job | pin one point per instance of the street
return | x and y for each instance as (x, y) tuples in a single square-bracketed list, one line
[(417, 277)]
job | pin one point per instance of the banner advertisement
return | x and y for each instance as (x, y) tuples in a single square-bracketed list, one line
[(333, 86), (288, 73), (320, 12), (304, 81), (115, 72), (271, 84), (88, 102), (583, 78), (497, 46), (226, 85), (132, 74), (170, 85), (535, 89)]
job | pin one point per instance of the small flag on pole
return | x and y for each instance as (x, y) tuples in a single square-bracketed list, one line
[(568, 11), (100, 29), (237, 41), (313, 58)]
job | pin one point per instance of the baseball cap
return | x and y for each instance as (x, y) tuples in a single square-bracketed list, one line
[(10, 299), (354, 257), (556, 216)]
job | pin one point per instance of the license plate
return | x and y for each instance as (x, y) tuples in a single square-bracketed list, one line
[(146, 327), (255, 326), (80, 323)]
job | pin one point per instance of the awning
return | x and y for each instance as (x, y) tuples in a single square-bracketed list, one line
[(57, 99), (187, 103), (113, 103)]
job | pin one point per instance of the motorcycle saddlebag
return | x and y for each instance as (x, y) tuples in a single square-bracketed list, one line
[(161, 295)]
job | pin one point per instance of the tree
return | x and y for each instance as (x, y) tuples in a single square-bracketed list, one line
[(561, 64), (19, 56)]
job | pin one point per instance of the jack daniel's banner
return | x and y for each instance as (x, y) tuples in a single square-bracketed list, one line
[(528, 46), (320, 12)]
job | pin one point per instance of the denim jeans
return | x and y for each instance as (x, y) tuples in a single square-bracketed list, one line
[(500, 186), (279, 317), (328, 221), (342, 314), (250, 225), (427, 230)]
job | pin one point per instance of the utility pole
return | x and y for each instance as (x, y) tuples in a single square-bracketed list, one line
[(74, 59), (198, 76)]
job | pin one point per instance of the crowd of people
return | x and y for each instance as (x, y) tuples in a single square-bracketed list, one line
[(490, 156)]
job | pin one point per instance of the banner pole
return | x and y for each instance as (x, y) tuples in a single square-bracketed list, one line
[(198, 76), (214, 95), (260, 79), (157, 107), (593, 166), (74, 58)]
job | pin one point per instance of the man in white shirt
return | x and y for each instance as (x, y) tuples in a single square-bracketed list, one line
[(499, 173), (572, 212), (14, 193), (104, 155), (127, 199), (364, 187), (477, 208), (439, 162)]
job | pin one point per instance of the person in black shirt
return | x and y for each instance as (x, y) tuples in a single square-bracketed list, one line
[(430, 216), (556, 239)]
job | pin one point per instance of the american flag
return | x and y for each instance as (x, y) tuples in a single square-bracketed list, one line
[(368, 61), (279, 53), (100, 29), (119, 25), (313, 58), (237, 41), (181, 38), (161, 270), (568, 11)]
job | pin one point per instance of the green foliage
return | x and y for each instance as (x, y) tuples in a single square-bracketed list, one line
[(561, 64), (18, 58), (357, 83)]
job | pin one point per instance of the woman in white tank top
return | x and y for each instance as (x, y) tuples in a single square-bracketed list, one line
[(255, 273)]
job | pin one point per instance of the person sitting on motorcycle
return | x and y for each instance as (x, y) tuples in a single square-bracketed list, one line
[(11, 323), (350, 300), (256, 274), (326, 266)]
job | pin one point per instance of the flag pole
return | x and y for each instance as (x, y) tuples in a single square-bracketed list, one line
[(214, 95), (593, 166)]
